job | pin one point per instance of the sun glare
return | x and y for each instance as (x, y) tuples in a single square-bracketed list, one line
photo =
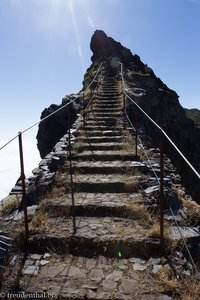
[(76, 32)]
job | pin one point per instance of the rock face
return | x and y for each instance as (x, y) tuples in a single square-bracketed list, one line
[(51, 130), (193, 114), (159, 102), (103, 47), (151, 94)]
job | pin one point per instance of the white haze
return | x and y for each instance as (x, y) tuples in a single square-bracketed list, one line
[(10, 164)]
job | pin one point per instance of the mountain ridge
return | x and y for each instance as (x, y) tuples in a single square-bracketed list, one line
[(159, 101)]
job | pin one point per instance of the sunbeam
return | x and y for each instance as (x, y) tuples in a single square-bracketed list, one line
[(90, 22), (76, 32)]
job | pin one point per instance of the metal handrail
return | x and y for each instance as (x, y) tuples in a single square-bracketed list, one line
[(53, 113), (164, 133), (177, 225), (94, 77), (24, 202)]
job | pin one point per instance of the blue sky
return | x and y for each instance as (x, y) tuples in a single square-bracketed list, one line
[(45, 51), (45, 48)]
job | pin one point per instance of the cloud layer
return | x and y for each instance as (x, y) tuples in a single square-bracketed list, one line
[(10, 165)]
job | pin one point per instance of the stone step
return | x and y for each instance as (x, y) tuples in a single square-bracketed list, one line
[(98, 146), (108, 103), (90, 126), (100, 139), (5, 246), (110, 88), (105, 115), (105, 110), (111, 121), (95, 236), (104, 183), (104, 124), (109, 167), (108, 100), (106, 156), (107, 106), (109, 93), (102, 278), (100, 133), (121, 205)]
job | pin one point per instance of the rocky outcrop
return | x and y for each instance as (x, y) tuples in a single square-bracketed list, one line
[(146, 89), (160, 102), (52, 129), (193, 114)]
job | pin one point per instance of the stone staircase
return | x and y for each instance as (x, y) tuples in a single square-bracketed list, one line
[(110, 255), (5, 248)]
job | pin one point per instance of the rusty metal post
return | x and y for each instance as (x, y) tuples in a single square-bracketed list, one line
[(124, 109), (83, 110), (136, 134), (71, 172), (161, 189), (136, 140), (24, 199)]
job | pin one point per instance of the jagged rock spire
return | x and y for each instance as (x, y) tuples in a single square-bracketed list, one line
[(105, 47)]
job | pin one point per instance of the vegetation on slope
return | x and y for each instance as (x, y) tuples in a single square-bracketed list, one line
[(194, 115)]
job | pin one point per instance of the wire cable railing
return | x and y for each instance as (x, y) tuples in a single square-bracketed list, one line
[(160, 129), (98, 70), (22, 176), (162, 193), (53, 113), (143, 149), (164, 133), (170, 208)]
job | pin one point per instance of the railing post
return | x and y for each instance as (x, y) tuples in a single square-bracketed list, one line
[(136, 133), (161, 189), (124, 109), (24, 199), (83, 110), (136, 137), (71, 172)]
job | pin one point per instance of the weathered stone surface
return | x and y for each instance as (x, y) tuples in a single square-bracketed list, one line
[(129, 286), (139, 267), (31, 270), (76, 272), (185, 232), (115, 276), (96, 275), (109, 285), (52, 129), (156, 268)]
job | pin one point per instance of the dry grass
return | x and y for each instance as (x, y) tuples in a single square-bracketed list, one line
[(52, 208), (80, 126), (131, 186), (38, 223), (129, 144), (192, 210), (154, 231), (10, 206), (140, 212), (77, 147), (185, 287), (132, 171), (57, 191)]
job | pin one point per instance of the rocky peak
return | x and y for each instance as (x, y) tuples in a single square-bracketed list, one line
[(106, 47), (151, 94)]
